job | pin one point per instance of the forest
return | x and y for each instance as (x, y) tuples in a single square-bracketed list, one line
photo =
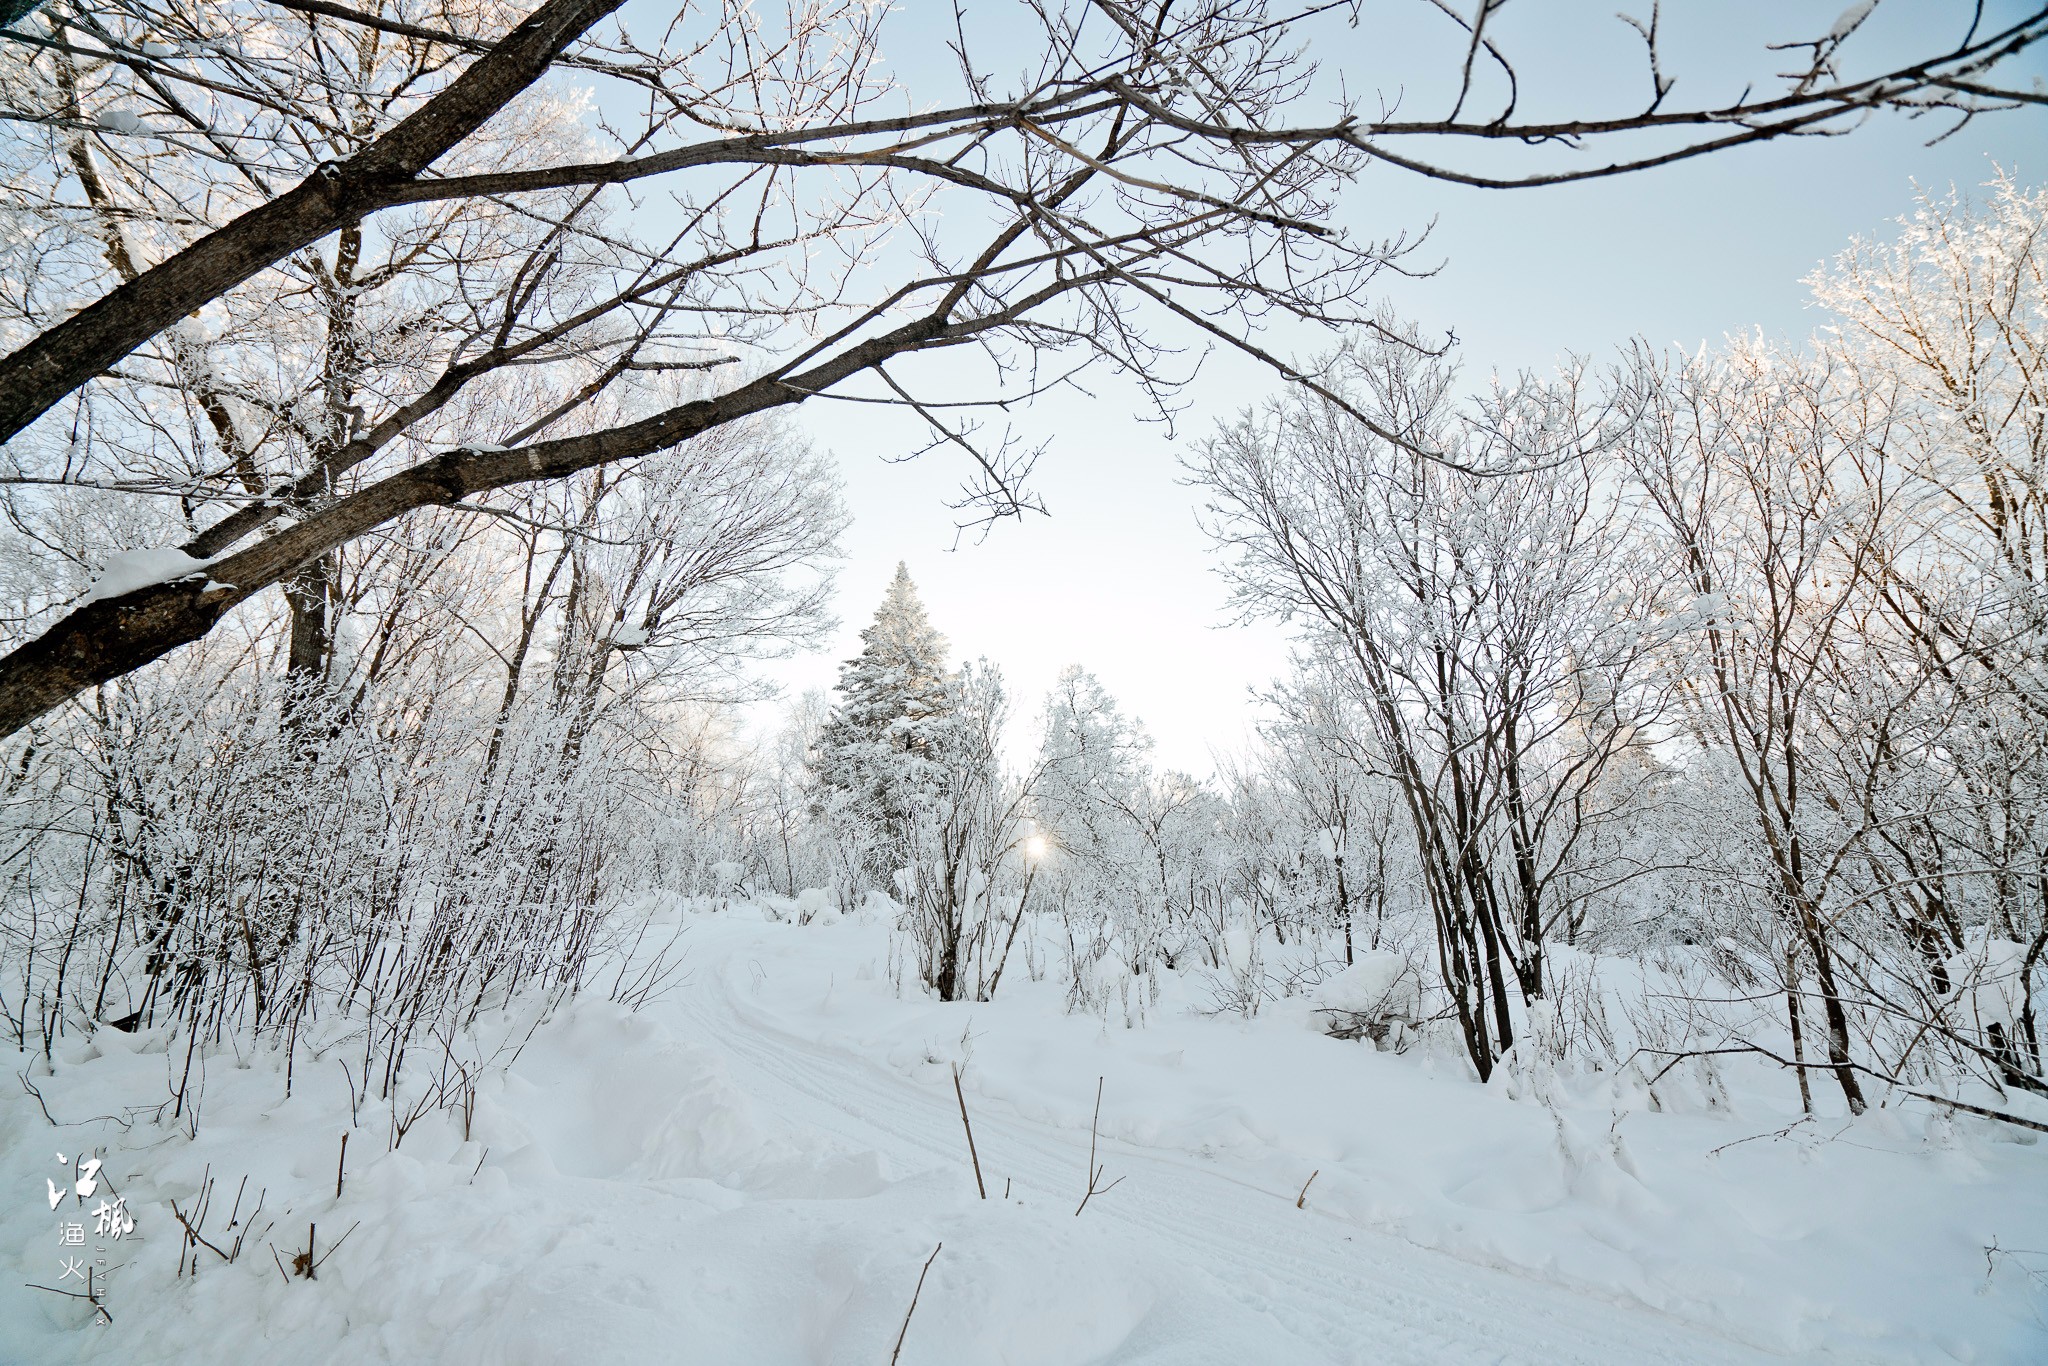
[(408, 461)]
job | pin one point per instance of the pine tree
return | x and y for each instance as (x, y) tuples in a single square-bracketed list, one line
[(878, 758)]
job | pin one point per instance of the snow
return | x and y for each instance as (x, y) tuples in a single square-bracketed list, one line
[(1378, 986), (755, 1167), (127, 570), (1851, 19), (1988, 978), (814, 904)]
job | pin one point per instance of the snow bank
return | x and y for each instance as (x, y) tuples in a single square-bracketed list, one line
[(756, 1168), (814, 907), (1379, 997), (618, 1200)]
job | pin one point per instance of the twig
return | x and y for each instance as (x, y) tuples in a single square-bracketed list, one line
[(194, 1235), (332, 1250), (1680, 1055), (29, 1087), (236, 1213), (339, 1163), (2012, 1254), (1785, 1132), (249, 1228), (1095, 1172), (479, 1163), (1301, 1200), (905, 1329), (91, 1299), (961, 1096), (1977, 1110)]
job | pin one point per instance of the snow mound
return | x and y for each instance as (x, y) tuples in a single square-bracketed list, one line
[(814, 907), (1378, 997)]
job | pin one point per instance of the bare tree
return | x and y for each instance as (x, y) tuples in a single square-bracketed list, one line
[(1145, 166), (1487, 628), (1321, 746), (1759, 470), (1950, 314)]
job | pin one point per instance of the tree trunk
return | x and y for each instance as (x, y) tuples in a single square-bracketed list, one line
[(309, 594), (1344, 908), (1798, 1030), (1831, 1009)]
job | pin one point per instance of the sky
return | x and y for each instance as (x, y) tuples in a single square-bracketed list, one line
[(1119, 579)]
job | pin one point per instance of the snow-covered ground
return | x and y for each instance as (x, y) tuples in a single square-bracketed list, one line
[(756, 1167)]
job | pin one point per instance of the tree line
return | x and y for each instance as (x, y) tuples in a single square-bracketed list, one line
[(399, 474), (1745, 667)]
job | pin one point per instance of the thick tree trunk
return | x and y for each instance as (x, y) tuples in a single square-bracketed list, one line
[(309, 644), (309, 595)]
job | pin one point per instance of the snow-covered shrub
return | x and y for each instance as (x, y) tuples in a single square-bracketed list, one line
[(1379, 997), (814, 907), (461, 801)]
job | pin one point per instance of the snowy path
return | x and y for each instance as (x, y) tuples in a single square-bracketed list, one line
[(1340, 1292)]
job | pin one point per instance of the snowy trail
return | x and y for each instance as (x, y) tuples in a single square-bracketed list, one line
[(1341, 1292)]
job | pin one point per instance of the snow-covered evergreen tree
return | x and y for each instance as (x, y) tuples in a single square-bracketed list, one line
[(877, 758)]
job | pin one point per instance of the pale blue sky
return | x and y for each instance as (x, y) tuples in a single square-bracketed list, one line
[(1118, 578)]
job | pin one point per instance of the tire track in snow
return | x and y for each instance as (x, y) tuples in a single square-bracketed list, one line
[(1357, 1294)]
